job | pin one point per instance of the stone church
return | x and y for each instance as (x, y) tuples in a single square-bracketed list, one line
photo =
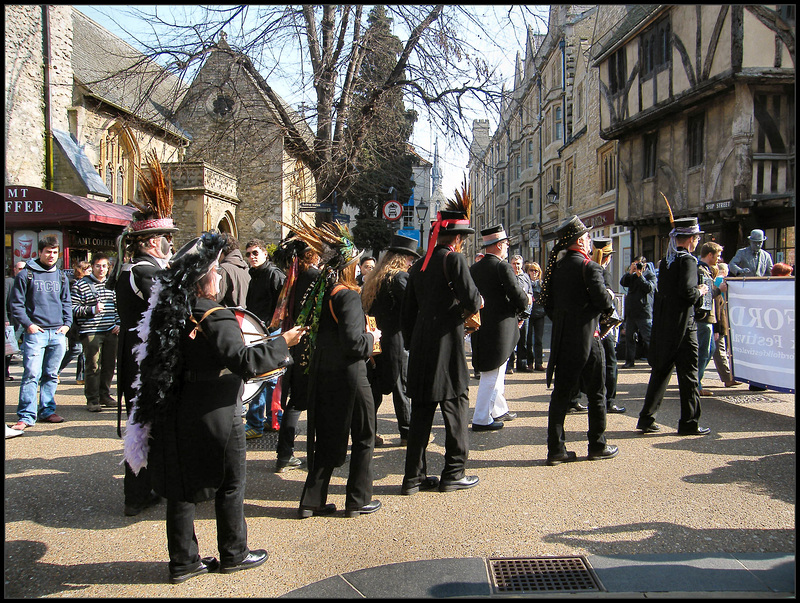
[(83, 107)]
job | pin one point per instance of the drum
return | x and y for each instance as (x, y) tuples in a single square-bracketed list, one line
[(253, 332)]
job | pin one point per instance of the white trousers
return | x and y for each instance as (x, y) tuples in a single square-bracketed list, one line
[(491, 402)]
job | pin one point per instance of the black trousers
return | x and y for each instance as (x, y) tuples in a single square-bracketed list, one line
[(684, 360), (182, 542), (535, 336), (519, 357), (456, 443), (287, 433), (610, 350), (565, 388), (402, 403), (358, 491)]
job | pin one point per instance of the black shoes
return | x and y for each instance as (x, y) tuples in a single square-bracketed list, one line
[(696, 431), (578, 409), (460, 484), (540, 369), (254, 559), (653, 428), (370, 507), (557, 459), (429, 483), (628, 365), (284, 466), (305, 512), (608, 452), (131, 509), (614, 409), (207, 565), (525, 369), (509, 416), (494, 425)]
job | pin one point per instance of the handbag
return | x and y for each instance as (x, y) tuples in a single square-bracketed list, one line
[(12, 347)]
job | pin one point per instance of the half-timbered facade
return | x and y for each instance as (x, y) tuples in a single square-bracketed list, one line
[(700, 100)]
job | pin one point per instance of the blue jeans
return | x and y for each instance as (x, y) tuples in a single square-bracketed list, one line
[(261, 407), (706, 347), (41, 359)]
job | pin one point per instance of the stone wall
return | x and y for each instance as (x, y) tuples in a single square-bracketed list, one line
[(24, 100)]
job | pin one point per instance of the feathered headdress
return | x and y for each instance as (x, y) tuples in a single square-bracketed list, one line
[(153, 213), (454, 218), (334, 244)]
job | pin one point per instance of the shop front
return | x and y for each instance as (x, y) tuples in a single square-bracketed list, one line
[(83, 226)]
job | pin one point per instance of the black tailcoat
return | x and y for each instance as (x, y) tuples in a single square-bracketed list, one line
[(503, 299), (673, 308), (578, 296), (432, 321), (188, 451)]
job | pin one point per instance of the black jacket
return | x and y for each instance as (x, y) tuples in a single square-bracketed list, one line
[(432, 321), (266, 282), (641, 292), (187, 456), (503, 299), (386, 310), (673, 308), (578, 296)]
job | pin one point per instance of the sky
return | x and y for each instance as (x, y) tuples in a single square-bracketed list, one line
[(500, 46)]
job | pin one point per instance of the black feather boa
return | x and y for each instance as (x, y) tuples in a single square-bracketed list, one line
[(171, 302)]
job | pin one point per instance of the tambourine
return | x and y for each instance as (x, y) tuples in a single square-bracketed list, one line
[(254, 331)]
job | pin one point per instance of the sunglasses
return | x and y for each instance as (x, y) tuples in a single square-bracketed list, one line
[(255, 252)]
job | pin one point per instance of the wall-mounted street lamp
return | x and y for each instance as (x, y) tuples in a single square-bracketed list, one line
[(422, 214), (552, 196)]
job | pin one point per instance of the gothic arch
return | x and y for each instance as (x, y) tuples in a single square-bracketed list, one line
[(228, 224), (119, 157)]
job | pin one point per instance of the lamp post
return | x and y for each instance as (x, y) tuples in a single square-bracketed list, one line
[(552, 196), (422, 214)]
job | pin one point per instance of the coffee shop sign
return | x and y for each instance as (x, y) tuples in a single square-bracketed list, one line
[(19, 204)]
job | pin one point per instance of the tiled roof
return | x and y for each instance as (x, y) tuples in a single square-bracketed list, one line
[(118, 74)]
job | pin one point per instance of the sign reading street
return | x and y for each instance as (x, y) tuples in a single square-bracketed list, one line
[(392, 210)]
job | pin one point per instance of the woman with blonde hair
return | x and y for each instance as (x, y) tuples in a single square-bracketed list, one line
[(536, 321), (382, 297)]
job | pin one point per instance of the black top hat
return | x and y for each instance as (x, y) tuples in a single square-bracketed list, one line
[(603, 244), (197, 257), (403, 244), (570, 230), (686, 226), (449, 223), (493, 234)]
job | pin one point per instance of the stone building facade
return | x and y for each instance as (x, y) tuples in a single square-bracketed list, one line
[(83, 108), (233, 125), (571, 135)]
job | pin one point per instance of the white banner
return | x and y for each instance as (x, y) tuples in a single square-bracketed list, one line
[(762, 327)]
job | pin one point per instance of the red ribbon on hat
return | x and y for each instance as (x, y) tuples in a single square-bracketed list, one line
[(435, 235)]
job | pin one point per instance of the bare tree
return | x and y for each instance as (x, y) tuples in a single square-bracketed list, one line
[(442, 68)]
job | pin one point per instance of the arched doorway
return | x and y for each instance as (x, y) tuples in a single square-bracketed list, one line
[(227, 224)]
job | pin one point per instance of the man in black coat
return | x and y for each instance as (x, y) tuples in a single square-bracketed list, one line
[(674, 338), (150, 249), (503, 301), (440, 292), (266, 282), (640, 282), (575, 297)]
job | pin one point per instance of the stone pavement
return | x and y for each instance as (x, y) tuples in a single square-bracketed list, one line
[(671, 516)]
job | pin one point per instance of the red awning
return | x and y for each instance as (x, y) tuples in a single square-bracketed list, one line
[(31, 206)]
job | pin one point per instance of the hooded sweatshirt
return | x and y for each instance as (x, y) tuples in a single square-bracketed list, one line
[(41, 296)]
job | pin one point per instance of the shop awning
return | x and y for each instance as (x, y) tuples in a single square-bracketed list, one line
[(31, 206)]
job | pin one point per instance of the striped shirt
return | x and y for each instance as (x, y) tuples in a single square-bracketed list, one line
[(86, 292)]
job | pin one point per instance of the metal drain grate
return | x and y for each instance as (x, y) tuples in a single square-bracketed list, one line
[(543, 574)]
